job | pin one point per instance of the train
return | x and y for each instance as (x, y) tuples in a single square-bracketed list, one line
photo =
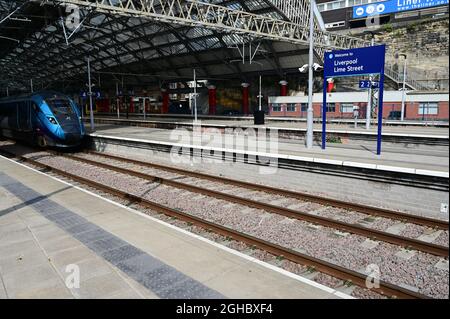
[(45, 119)]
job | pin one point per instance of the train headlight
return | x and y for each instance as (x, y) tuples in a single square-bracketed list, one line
[(52, 120)]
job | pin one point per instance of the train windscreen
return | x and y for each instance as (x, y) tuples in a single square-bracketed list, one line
[(60, 106), (64, 113)]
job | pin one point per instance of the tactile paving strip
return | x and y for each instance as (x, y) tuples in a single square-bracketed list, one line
[(160, 278)]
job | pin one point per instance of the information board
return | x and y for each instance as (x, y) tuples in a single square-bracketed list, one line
[(361, 61), (392, 6), (355, 62)]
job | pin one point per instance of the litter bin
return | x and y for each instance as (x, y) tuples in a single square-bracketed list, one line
[(259, 117)]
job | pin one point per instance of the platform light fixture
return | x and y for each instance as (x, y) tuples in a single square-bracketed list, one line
[(316, 67)]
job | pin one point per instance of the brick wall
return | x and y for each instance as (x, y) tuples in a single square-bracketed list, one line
[(411, 111)]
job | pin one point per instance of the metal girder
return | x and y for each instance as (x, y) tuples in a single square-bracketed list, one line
[(195, 13)]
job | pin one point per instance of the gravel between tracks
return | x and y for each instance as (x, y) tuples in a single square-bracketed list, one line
[(346, 250), (343, 215)]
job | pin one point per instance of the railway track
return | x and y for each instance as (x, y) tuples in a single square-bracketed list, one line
[(369, 210), (323, 221), (385, 288), (428, 182)]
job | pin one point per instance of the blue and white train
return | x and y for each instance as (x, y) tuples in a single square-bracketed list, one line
[(44, 119)]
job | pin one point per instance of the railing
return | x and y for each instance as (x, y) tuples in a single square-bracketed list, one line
[(297, 11), (410, 82)]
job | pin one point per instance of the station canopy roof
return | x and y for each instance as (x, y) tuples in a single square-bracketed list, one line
[(143, 51)]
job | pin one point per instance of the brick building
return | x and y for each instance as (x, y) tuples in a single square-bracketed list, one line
[(418, 106)]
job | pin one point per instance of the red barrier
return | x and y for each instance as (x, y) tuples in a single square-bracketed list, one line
[(245, 96), (212, 91)]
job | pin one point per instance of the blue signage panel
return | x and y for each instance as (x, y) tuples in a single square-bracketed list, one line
[(354, 62), (392, 6), (366, 84), (369, 60)]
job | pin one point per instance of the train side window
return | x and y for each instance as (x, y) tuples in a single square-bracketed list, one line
[(35, 107)]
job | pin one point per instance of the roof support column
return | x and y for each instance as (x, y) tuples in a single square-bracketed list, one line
[(212, 92), (284, 88)]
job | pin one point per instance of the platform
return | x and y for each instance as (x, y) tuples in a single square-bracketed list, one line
[(394, 126), (390, 128), (426, 162), (47, 226)]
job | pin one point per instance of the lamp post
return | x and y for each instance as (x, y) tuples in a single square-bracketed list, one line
[(315, 67), (404, 86), (260, 96), (195, 97), (310, 114), (369, 102), (90, 93)]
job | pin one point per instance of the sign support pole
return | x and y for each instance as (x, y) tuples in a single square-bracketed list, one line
[(324, 114), (90, 95), (380, 113)]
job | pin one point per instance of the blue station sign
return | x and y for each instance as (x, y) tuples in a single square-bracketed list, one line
[(393, 6), (355, 62), (361, 61)]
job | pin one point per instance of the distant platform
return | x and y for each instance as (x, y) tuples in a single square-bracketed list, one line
[(344, 133), (49, 227), (226, 119), (429, 162)]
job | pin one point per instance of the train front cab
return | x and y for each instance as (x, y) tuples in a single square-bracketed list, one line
[(61, 121)]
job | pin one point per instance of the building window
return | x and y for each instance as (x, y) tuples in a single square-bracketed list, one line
[(331, 107), (428, 108), (276, 107), (343, 4), (335, 25), (346, 108), (291, 108), (337, 4), (304, 107)]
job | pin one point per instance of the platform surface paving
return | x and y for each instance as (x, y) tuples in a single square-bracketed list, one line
[(425, 130), (49, 228)]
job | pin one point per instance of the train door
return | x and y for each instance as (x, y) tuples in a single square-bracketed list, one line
[(24, 116)]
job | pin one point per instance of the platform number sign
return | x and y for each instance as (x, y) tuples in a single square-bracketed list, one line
[(366, 84), (355, 62)]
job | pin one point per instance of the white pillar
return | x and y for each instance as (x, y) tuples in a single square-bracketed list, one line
[(404, 92), (369, 106), (195, 97), (310, 116), (260, 93)]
